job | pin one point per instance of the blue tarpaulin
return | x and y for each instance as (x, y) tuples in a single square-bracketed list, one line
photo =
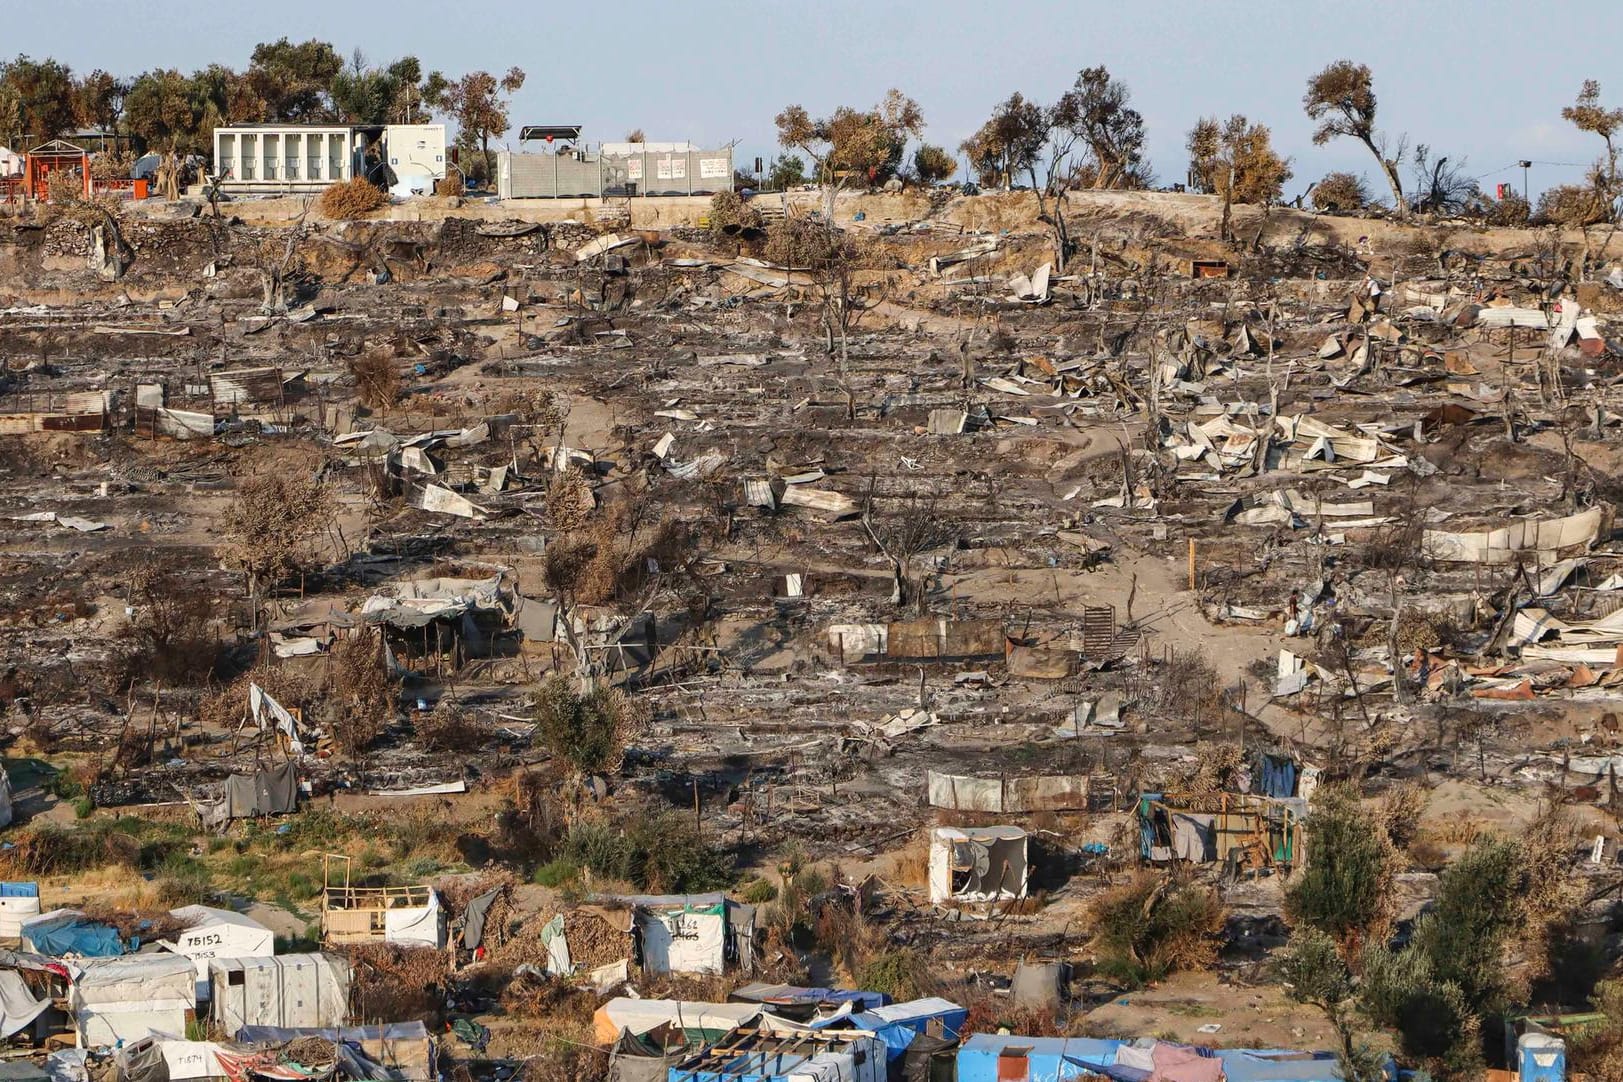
[(1050, 1059), (19, 890), (899, 1023), (75, 936), (1277, 1065)]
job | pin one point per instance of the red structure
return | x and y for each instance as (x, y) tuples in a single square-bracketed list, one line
[(48, 159)]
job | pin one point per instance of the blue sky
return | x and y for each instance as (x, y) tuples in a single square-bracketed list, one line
[(1485, 80)]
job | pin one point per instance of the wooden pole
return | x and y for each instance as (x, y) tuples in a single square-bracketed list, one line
[(1191, 563)]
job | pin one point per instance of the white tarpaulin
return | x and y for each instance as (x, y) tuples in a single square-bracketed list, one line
[(683, 938), (416, 926), (639, 1016), (190, 1060), (18, 1007), (977, 864), (266, 709), (126, 999), (218, 933)]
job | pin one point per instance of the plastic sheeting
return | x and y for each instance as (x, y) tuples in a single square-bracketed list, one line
[(18, 1007), (473, 919), (899, 1023), (64, 932), (700, 1021), (416, 926), (1007, 795)]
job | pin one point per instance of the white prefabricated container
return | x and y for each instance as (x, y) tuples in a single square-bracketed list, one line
[(289, 990), (18, 902)]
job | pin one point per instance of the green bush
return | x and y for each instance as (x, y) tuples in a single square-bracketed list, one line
[(902, 974), (1151, 927), (757, 892), (657, 853), (556, 873), (1346, 888), (84, 807)]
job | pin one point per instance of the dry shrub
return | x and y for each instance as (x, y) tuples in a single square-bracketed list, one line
[(1511, 212), (1399, 813), (849, 940), (570, 501), (729, 213), (112, 165), (988, 1014), (589, 731), (910, 865), (65, 186), (377, 378), (448, 727), (394, 982), (277, 524), (360, 693), (1188, 687), (1341, 193), (803, 243), (46, 849), (450, 187), (170, 635), (1551, 894), (352, 199), (902, 973), (565, 1060), (1152, 926), (564, 1006), (1422, 630)]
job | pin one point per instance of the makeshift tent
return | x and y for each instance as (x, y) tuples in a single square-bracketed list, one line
[(292, 990), (409, 916), (18, 902), (18, 1004), (898, 1023), (759, 1056), (699, 1022), (64, 933), (996, 1057), (125, 999), (404, 1049), (977, 864), (635, 1059), (681, 933), (218, 933), (803, 1004)]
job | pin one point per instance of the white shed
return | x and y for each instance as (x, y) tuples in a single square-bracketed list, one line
[(289, 990), (126, 999), (11, 163), (218, 933), (977, 864)]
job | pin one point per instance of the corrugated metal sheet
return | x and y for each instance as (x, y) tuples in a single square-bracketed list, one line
[(247, 386)]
